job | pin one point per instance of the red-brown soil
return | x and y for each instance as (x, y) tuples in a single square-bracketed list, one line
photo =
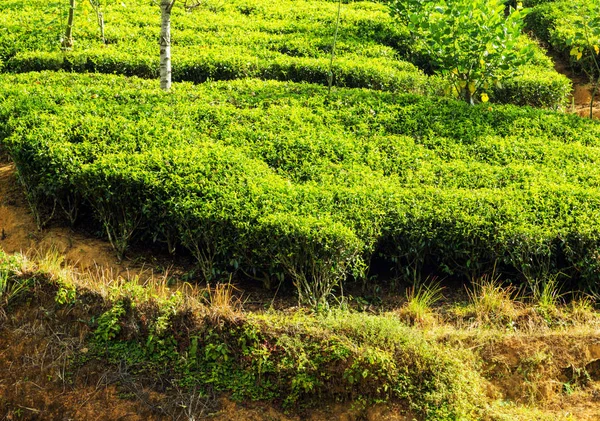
[(582, 91)]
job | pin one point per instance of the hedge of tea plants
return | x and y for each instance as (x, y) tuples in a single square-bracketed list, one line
[(281, 181), (289, 40), (555, 23)]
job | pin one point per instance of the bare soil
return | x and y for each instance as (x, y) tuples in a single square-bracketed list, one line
[(19, 233), (582, 91)]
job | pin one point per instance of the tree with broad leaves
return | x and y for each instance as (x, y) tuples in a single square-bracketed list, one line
[(471, 43), (585, 44)]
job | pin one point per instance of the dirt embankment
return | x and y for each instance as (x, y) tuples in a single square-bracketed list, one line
[(582, 91), (19, 233), (38, 380)]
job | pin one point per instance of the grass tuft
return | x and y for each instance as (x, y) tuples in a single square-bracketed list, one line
[(419, 301), (491, 302), (222, 303), (547, 296)]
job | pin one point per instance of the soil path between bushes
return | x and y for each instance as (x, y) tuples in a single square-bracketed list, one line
[(579, 102), (19, 233)]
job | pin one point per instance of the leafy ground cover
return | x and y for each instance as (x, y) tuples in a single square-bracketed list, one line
[(279, 180), (249, 38)]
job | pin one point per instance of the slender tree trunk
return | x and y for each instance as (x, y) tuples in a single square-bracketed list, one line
[(101, 24), (165, 44), (593, 95), (98, 9), (67, 43), (469, 96)]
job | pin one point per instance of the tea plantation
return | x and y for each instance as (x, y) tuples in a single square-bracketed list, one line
[(424, 236), (258, 170), (279, 179), (287, 40)]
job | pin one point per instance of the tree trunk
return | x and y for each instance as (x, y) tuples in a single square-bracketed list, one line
[(101, 24), (593, 95), (98, 9), (67, 43), (165, 44), (468, 96)]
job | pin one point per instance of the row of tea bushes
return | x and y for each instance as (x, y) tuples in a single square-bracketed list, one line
[(289, 41), (555, 24), (280, 180), (200, 65)]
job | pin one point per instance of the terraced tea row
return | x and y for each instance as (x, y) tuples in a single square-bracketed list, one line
[(290, 40), (279, 180)]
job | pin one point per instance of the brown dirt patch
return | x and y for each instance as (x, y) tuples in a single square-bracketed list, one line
[(582, 91), (19, 233), (547, 371)]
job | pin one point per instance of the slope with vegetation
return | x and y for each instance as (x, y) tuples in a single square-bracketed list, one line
[(174, 350), (252, 167)]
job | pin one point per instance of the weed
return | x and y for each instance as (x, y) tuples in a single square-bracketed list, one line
[(10, 289), (419, 300), (581, 308), (491, 301), (547, 295)]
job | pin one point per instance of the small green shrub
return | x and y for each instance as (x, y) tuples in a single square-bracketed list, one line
[(535, 86)]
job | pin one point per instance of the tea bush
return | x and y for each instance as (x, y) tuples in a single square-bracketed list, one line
[(555, 23), (280, 181), (288, 40)]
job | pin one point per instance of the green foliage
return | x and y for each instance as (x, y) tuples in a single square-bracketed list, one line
[(295, 359), (108, 325), (66, 294), (570, 29), (282, 41), (586, 44), (470, 43), (535, 85), (288, 41), (281, 182)]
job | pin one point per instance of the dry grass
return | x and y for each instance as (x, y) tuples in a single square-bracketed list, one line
[(491, 302), (581, 309), (419, 301), (222, 303)]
